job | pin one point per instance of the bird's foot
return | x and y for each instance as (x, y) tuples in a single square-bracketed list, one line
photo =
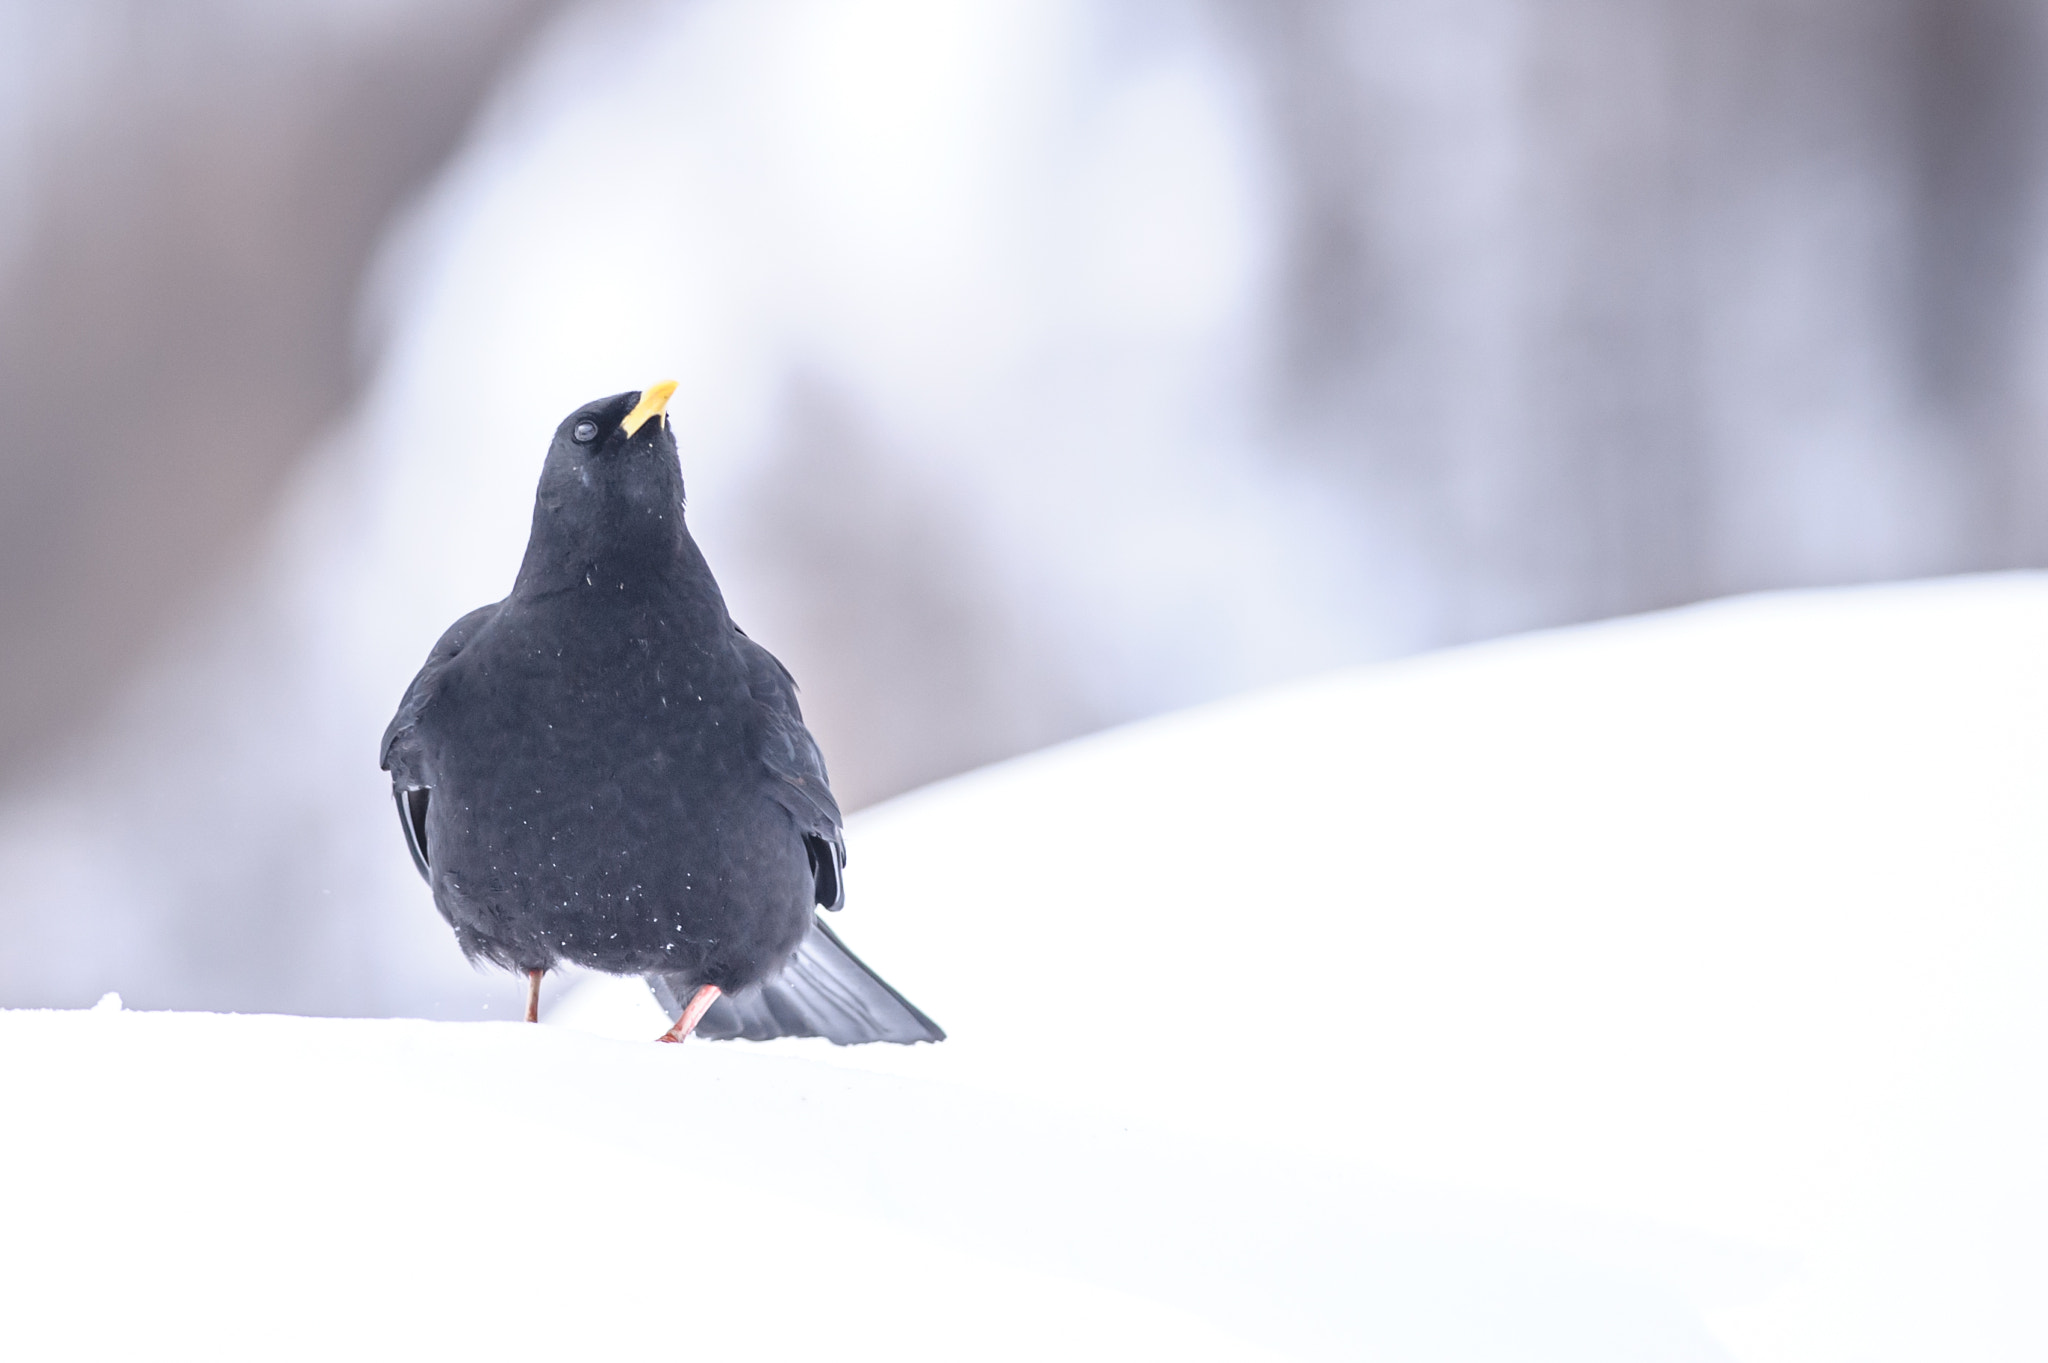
[(693, 1013)]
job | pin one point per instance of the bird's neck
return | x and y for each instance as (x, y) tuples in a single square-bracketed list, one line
[(616, 554)]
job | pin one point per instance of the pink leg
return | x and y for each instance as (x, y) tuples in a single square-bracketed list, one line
[(533, 994), (693, 1013)]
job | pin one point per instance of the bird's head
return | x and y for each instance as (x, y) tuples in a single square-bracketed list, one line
[(612, 486), (618, 425), (616, 449)]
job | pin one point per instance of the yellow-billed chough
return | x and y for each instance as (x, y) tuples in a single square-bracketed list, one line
[(603, 769)]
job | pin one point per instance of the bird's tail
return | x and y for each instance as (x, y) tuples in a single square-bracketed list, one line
[(822, 990)]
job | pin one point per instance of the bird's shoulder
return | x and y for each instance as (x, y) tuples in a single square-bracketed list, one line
[(458, 636)]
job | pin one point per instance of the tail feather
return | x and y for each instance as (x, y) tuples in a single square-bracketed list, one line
[(822, 990)]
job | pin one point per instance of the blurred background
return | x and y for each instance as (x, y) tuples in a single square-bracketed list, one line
[(1045, 364)]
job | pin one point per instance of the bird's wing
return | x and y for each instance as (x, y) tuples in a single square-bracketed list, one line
[(791, 755), (400, 754)]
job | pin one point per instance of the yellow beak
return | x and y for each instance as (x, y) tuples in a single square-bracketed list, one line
[(652, 403)]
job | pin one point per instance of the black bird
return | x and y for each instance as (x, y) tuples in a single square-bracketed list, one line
[(603, 769)]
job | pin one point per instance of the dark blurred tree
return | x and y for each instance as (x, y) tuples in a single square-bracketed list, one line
[(177, 323), (1622, 305)]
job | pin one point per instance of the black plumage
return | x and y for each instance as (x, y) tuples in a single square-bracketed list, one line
[(603, 769)]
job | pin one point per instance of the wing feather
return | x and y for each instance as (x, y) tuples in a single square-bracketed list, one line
[(401, 753), (789, 752)]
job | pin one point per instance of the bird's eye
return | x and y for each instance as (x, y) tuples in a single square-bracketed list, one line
[(585, 432)]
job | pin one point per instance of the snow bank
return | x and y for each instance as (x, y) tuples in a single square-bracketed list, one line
[(205, 1187), (1665, 988)]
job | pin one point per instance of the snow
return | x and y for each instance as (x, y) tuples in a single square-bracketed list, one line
[(1662, 988), (202, 1186)]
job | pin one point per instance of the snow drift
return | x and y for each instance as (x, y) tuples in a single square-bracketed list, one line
[(1664, 988)]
